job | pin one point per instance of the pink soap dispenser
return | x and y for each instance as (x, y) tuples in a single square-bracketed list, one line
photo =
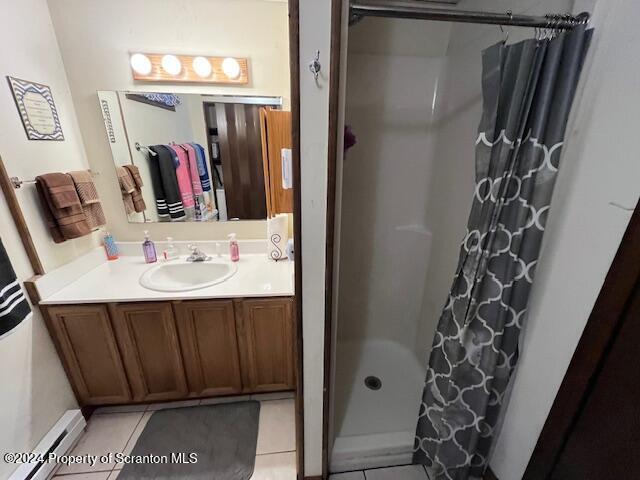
[(234, 250)]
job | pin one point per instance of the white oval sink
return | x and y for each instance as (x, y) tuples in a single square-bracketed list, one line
[(182, 276)]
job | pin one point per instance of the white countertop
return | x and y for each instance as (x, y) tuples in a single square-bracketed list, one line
[(118, 281)]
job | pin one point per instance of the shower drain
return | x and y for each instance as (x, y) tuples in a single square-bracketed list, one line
[(373, 383)]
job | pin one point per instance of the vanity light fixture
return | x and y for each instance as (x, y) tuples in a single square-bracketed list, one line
[(141, 64), (171, 64), (202, 67), (174, 68), (231, 67)]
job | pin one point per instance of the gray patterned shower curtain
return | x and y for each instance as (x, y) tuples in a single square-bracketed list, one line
[(527, 88)]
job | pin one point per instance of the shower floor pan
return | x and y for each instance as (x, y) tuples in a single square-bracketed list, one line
[(375, 427)]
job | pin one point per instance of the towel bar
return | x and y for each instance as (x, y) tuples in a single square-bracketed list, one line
[(17, 183)]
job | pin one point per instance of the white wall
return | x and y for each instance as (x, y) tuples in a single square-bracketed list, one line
[(583, 231), (315, 32), (385, 231), (256, 29), (34, 56), (35, 390)]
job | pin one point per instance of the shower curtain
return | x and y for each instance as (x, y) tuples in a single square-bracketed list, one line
[(527, 88)]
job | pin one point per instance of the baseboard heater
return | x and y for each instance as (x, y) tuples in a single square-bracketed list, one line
[(59, 440)]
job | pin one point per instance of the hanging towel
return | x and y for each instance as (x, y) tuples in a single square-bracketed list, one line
[(13, 305), (61, 207), (184, 178), (202, 212), (158, 187), (89, 198), (205, 181), (136, 196), (203, 172), (193, 169), (165, 184), (127, 187)]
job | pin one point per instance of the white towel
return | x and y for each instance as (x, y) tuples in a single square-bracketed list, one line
[(277, 236)]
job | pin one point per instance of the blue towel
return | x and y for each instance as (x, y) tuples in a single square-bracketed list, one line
[(202, 167), (13, 305)]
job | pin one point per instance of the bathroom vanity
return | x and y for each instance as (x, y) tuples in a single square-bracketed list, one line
[(122, 343)]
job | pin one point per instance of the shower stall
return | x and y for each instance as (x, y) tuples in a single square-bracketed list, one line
[(413, 101)]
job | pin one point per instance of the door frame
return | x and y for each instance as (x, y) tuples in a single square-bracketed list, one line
[(597, 337), (588, 359), (332, 154), (294, 72)]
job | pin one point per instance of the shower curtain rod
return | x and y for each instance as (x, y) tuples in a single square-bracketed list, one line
[(417, 10)]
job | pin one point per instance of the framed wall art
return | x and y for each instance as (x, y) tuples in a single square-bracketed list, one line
[(37, 109)]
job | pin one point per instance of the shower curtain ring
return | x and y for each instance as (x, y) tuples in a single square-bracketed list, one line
[(568, 18), (504, 31), (505, 34), (549, 28), (557, 26)]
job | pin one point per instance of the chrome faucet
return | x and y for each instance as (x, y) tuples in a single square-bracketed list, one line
[(197, 255)]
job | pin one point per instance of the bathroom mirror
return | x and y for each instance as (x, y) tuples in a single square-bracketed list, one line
[(198, 158)]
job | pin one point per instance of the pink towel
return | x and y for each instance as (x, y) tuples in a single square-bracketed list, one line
[(193, 169), (183, 176)]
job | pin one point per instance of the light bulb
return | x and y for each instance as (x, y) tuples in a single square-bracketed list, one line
[(202, 67), (141, 64), (231, 67), (171, 64)]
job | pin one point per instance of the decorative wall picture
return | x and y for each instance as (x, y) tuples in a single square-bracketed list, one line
[(37, 109)]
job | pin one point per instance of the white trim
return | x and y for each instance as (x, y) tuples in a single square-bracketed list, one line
[(69, 427), (247, 100)]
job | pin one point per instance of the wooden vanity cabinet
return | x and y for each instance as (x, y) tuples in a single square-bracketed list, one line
[(154, 351), (207, 331), (87, 346), (265, 334), (148, 342)]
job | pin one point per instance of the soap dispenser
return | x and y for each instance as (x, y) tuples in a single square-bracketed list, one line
[(171, 252), (110, 246), (234, 249), (149, 249)]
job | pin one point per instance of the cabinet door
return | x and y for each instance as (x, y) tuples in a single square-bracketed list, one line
[(147, 337), (207, 333), (87, 346), (265, 335)]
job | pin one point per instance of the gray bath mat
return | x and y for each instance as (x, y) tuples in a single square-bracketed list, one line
[(222, 436)]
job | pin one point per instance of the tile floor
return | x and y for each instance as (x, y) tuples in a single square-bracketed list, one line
[(406, 472), (116, 429)]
